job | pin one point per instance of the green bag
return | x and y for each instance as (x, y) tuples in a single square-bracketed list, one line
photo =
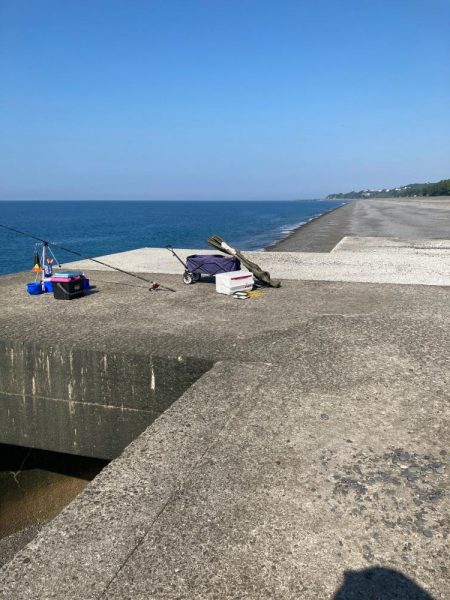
[(217, 242)]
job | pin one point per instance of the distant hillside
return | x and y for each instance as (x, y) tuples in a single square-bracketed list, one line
[(441, 188)]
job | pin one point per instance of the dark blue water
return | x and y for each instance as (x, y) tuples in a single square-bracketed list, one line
[(99, 228)]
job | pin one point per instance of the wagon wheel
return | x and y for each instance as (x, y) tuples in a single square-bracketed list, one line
[(188, 278), (196, 277)]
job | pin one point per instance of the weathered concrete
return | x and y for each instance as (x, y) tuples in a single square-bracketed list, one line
[(316, 447), (82, 401), (386, 265), (309, 459), (393, 246), (91, 386), (11, 543), (60, 391)]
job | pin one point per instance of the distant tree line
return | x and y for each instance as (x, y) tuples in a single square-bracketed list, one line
[(440, 188)]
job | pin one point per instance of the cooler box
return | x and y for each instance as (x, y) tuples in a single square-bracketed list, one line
[(67, 288), (236, 281), (67, 273)]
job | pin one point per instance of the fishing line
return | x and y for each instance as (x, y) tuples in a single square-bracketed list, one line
[(143, 287), (154, 284)]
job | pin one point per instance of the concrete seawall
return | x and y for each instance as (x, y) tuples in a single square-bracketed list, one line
[(307, 445), (294, 445), (83, 401)]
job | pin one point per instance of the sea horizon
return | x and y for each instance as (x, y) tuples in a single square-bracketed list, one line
[(159, 200)]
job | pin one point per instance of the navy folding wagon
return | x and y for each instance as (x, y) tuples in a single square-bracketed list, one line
[(197, 265)]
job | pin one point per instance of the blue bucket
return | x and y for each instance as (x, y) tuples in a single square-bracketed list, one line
[(48, 286), (34, 288)]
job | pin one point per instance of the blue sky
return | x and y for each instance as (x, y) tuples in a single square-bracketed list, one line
[(221, 99)]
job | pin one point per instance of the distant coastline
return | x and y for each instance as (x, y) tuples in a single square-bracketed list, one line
[(412, 190)]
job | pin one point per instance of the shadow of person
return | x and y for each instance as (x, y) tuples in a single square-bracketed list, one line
[(378, 583)]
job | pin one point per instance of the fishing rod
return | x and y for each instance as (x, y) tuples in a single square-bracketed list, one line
[(154, 285)]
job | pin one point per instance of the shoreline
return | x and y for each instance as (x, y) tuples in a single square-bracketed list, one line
[(298, 239), (290, 232)]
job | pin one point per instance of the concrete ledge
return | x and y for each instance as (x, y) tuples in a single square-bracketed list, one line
[(264, 482), (386, 265), (393, 246), (81, 551)]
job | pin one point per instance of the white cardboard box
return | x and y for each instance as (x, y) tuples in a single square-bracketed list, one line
[(235, 281)]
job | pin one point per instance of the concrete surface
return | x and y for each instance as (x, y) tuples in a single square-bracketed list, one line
[(307, 456), (311, 461), (11, 543), (392, 246), (386, 265), (406, 218)]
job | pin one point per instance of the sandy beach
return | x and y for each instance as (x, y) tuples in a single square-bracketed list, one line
[(407, 218)]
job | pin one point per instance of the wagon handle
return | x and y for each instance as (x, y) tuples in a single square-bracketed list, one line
[(170, 249)]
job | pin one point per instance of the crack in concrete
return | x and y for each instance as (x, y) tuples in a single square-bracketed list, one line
[(182, 484), (68, 401)]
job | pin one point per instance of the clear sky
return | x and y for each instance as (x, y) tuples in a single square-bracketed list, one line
[(221, 99)]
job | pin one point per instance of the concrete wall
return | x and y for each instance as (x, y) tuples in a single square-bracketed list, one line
[(85, 402)]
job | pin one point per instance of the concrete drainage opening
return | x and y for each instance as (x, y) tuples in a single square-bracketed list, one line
[(64, 413), (35, 485)]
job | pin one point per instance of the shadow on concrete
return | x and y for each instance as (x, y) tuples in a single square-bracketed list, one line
[(18, 458), (378, 583)]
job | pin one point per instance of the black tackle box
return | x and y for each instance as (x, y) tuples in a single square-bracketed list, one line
[(68, 290)]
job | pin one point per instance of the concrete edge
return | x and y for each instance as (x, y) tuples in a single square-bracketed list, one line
[(80, 552), (386, 265)]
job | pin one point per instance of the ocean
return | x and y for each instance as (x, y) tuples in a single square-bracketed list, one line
[(104, 227)]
